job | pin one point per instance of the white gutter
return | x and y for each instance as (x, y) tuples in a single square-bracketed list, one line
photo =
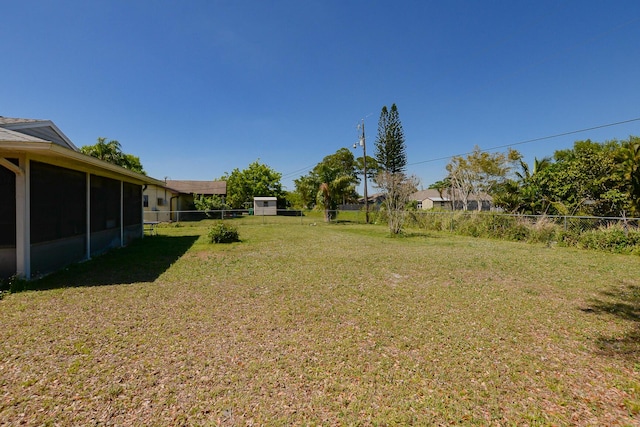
[(49, 148)]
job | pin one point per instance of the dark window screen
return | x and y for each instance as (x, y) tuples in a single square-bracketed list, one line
[(58, 202), (132, 195), (8, 206), (105, 203)]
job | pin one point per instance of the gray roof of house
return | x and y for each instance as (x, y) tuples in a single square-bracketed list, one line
[(7, 135), (431, 195), (45, 130)]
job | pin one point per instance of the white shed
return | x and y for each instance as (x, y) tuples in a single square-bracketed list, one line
[(265, 206)]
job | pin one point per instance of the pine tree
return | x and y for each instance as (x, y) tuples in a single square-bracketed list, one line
[(390, 144), (392, 161)]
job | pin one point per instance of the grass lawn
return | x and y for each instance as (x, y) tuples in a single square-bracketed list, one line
[(333, 324)]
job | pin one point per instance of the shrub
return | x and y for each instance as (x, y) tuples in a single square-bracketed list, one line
[(611, 239), (11, 285), (222, 233), (543, 231)]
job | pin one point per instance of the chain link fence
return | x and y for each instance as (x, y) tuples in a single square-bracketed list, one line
[(453, 221), (429, 220), (617, 234)]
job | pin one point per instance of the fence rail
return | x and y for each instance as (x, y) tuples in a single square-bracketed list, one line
[(434, 220), (566, 223)]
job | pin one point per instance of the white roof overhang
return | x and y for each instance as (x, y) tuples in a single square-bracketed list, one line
[(40, 150)]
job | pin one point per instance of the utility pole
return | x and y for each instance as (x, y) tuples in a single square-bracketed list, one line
[(363, 144)]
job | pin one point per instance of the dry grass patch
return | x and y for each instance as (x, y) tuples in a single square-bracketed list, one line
[(329, 325)]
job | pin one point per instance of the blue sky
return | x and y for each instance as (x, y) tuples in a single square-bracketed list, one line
[(198, 88)]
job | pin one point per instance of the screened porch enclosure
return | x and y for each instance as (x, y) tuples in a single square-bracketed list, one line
[(73, 215), (7, 221)]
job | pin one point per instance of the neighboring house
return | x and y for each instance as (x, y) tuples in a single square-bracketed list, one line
[(156, 202), (60, 206), (484, 200), (265, 206), (173, 200), (374, 200), (431, 199)]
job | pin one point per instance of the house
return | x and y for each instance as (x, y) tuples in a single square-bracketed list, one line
[(173, 200), (156, 203), (265, 206), (450, 199), (374, 200), (431, 199), (60, 206)]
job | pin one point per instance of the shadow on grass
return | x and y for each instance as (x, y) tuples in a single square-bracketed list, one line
[(622, 302), (144, 260)]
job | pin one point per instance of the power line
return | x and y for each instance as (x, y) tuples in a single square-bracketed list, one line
[(531, 140), (295, 172), (497, 147)]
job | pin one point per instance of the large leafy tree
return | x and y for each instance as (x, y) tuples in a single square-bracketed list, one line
[(592, 178), (583, 180), (478, 173), (257, 180), (372, 167), (331, 182), (111, 151), (390, 146)]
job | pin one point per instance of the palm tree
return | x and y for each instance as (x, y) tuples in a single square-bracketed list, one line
[(531, 198), (440, 186), (630, 168), (111, 152), (108, 151), (331, 190)]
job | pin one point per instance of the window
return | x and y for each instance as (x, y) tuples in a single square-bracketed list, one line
[(160, 201), (145, 201), (265, 204)]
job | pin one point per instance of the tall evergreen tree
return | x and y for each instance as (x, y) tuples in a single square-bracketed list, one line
[(390, 144), (392, 162)]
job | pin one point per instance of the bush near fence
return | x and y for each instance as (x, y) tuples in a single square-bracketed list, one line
[(620, 235)]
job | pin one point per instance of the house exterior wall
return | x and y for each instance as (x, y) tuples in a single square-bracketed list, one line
[(427, 204), (131, 233), (157, 204), (47, 257), (7, 262), (472, 205)]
